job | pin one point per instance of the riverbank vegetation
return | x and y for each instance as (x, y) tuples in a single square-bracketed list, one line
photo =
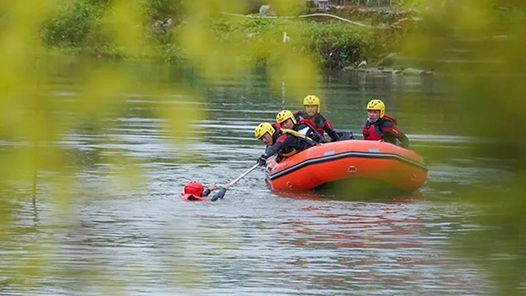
[(77, 28), (480, 45)]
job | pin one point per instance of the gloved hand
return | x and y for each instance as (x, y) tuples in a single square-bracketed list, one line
[(262, 160)]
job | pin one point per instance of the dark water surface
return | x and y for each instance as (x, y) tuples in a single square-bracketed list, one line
[(254, 242)]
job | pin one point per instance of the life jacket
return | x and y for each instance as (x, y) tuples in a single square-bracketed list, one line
[(296, 134), (395, 130), (306, 127), (191, 197), (318, 124), (308, 122), (289, 153), (319, 128), (275, 138), (390, 118), (373, 131), (304, 142), (277, 127)]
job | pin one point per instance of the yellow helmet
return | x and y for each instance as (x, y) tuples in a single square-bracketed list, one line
[(377, 105), (264, 128), (312, 100), (284, 115)]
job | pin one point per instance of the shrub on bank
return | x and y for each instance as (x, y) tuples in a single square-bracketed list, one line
[(333, 45), (76, 25)]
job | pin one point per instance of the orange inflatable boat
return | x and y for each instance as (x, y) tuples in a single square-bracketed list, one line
[(394, 166)]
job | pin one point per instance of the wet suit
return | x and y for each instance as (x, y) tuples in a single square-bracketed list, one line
[(286, 145)]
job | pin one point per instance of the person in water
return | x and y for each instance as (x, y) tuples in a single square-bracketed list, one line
[(380, 126), (195, 191), (286, 120), (311, 111), (286, 144)]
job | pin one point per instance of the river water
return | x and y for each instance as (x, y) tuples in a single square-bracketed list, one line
[(254, 242)]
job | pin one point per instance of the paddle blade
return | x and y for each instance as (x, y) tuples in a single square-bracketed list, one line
[(219, 194)]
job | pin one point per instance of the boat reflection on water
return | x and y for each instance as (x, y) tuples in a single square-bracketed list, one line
[(389, 219), (379, 245)]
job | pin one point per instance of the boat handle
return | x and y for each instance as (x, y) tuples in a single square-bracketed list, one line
[(352, 169), (289, 184)]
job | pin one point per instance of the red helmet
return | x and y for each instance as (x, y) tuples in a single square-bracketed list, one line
[(194, 188)]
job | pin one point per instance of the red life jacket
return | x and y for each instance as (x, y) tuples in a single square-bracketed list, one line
[(320, 131), (301, 119), (390, 118), (372, 132), (277, 127), (191, 197), (317, 127), (308, 122)]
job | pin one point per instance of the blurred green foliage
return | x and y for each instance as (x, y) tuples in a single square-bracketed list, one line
[(369, 2), (480, 46), (68, 46)]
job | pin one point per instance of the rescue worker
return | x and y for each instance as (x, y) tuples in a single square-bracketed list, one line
[(195, 191), (284, 145), (286, 120), (311, 111), (380, 126)]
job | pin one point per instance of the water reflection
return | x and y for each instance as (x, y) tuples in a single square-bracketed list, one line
[(376, 247), (254, 242)]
